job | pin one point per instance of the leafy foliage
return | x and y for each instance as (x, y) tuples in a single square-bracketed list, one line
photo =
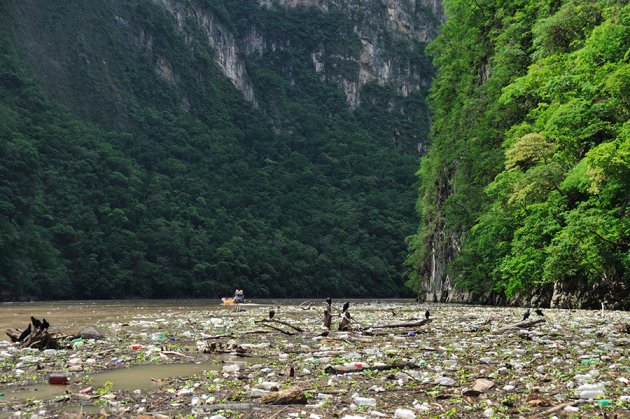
[(131, 167), (539, 87)]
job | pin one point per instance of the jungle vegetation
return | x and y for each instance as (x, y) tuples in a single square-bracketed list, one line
[(529, 166), (116, 182)]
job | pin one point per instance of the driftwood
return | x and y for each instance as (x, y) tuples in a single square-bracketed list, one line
[(554, 409), (279, 322), (327, 318), (231, 347), (37, 339), (340, 369), (407, 324), (525, 324), (14, 334), (226, 335), (255, 332), (344, 324), (286, 332), (293, 395)]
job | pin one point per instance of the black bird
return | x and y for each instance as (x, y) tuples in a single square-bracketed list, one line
[(526, 315), (271, 314), (36, 323), (328, 301), (25, 333), (346, 306), (45, 324), (427, 314), (539, 312)]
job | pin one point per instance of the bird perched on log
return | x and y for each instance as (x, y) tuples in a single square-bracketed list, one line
[(526, 315), (328, 301), (539, 312), (271, 314), (36, 323), (346, 306), (427, 314), (25, 333), (45, 325)]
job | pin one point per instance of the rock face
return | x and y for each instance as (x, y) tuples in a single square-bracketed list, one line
[(407, 24), (220, 38)]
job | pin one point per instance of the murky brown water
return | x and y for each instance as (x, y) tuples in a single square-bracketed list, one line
[(138, 377), (69, 317)]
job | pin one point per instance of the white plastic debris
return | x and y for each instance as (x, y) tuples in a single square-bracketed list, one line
[(404, 414), (231, 368), (364, 401), (591, 391), (444, 381)]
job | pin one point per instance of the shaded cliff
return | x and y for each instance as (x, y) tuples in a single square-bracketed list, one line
[(187, 148)]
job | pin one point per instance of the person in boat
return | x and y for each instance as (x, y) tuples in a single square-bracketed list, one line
[(239, 296)]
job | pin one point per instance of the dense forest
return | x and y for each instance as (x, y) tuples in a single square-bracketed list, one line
[(525, 189), (118, 182)]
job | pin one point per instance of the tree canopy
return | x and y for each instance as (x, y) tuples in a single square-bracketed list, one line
[(529, 166)]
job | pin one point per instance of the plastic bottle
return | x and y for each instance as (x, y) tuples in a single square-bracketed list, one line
[(591, 391), (185, 392), (57, 379)]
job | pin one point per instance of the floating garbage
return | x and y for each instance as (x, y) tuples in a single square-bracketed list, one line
[(444, 381), (57, 379), (364, 401), (591, 391), (185, 392), (404, 414)]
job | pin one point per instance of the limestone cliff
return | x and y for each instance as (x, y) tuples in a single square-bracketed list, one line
[(220, 38), (377, 24)]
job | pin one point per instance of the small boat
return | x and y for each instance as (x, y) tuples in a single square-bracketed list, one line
[(239, 298)]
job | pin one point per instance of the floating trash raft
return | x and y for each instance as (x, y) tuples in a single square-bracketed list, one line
[(392, 359)]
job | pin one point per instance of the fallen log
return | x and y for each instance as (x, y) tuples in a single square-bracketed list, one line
[(407, 324), (525, 324), (286, 332), (292, 395), (255, 332), (279, 322), (341, 369)]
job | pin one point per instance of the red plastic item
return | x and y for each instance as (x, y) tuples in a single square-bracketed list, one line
[(136, 347), (57, 379), (87, 390)]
